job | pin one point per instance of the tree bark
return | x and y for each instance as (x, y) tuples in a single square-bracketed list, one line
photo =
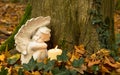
[(108, 12), (71, 22)]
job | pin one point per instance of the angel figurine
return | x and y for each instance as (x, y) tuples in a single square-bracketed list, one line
[(31, 38)]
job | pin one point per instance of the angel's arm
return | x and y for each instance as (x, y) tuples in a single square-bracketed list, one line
[(37, 46)]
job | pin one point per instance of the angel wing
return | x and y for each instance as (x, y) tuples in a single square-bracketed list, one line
[(23, 37)]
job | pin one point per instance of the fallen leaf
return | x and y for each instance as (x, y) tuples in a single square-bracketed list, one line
[(73, 58), (79, 49), (118, 70), (36, 73), (27, 73), (93, 56), (81, 69), (104, 52), (93, 62), (118, 64), (2, 57), (10, 70), (107, 61), (104, 69)]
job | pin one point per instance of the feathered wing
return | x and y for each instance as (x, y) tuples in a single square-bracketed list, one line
[(23, 37)]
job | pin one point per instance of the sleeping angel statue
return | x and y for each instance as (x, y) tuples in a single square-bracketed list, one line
[(30, 39)]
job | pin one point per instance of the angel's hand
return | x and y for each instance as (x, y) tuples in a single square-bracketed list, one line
[(36, 46)]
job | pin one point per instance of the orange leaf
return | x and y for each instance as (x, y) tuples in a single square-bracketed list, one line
[(27, 73), (118, 70), (104, 69), (79, 49), (118, 64), (91, 63), (107, 61)]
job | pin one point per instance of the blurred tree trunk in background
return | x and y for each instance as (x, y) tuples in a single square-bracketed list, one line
[(71, 22)]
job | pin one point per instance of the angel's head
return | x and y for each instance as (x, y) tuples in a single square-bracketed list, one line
[(43, 33)]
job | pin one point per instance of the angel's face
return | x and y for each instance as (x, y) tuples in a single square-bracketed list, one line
[(36, 36), (41, 36), (45, 37)]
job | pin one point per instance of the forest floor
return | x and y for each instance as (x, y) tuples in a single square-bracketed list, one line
[(10, 15)]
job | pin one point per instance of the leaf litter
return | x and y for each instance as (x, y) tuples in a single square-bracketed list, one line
[(10, 15)]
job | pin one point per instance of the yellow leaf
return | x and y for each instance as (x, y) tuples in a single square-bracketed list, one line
[(36, 73), (105, 52), (10, 70), (73, 58), (17, 56), (93, 56), (2, 57), (17, 67)]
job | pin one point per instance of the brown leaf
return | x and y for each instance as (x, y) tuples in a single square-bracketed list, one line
[(27, 73), (80, 69)]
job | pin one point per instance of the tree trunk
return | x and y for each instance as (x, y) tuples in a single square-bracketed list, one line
[(108, 12), (71, 22)]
